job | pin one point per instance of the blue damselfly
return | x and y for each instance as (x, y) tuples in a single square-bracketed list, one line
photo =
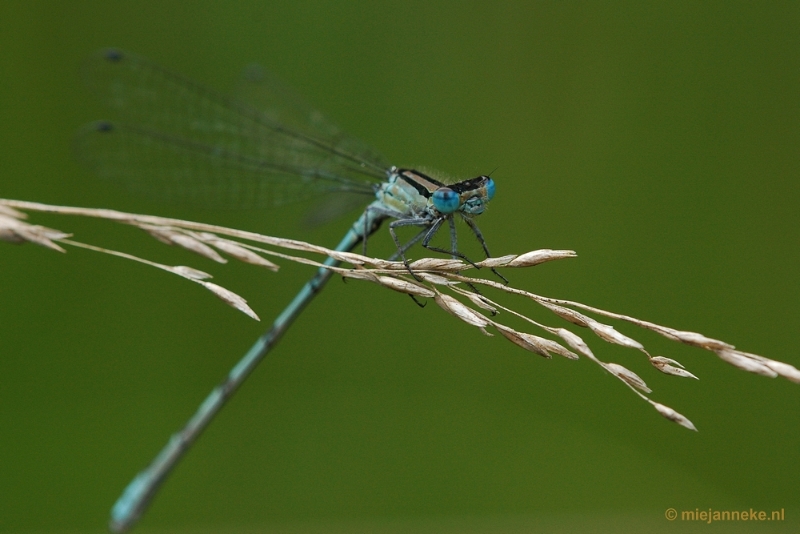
[(180, 140)]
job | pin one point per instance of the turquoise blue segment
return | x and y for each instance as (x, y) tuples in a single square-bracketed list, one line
[(446, 200), (490, 189)]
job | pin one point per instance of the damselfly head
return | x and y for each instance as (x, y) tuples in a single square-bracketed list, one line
[(473, 194)]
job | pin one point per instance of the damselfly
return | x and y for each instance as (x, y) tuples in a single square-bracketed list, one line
[(184, 141)]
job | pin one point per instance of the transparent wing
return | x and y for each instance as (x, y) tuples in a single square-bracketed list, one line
[(262, 90), (184, 142)]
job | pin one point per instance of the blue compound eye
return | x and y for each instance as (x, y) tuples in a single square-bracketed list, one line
[(489, 188), (446, 200)]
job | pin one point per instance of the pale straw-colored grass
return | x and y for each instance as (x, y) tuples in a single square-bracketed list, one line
[(434, 278)]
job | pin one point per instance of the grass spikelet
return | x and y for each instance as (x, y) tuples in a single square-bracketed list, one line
[(480, 301), (230, 298), (171, 236), (11, 212), (535, 257), (406, 286), (575, 341), (785, 370), (568, 315), (533, 343), (434, 279), (744, 362), (359, 274), (457, 309), (501, 261), (670, 367), (674, 416), (627, 376), (528, 342), (609, 334), (190, 272), (438, 264), (235, 250), (14, 230)]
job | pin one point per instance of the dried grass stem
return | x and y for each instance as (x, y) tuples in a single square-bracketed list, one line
[(433, 278)]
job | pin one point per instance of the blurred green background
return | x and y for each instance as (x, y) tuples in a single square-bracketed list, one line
[(659, 140)]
